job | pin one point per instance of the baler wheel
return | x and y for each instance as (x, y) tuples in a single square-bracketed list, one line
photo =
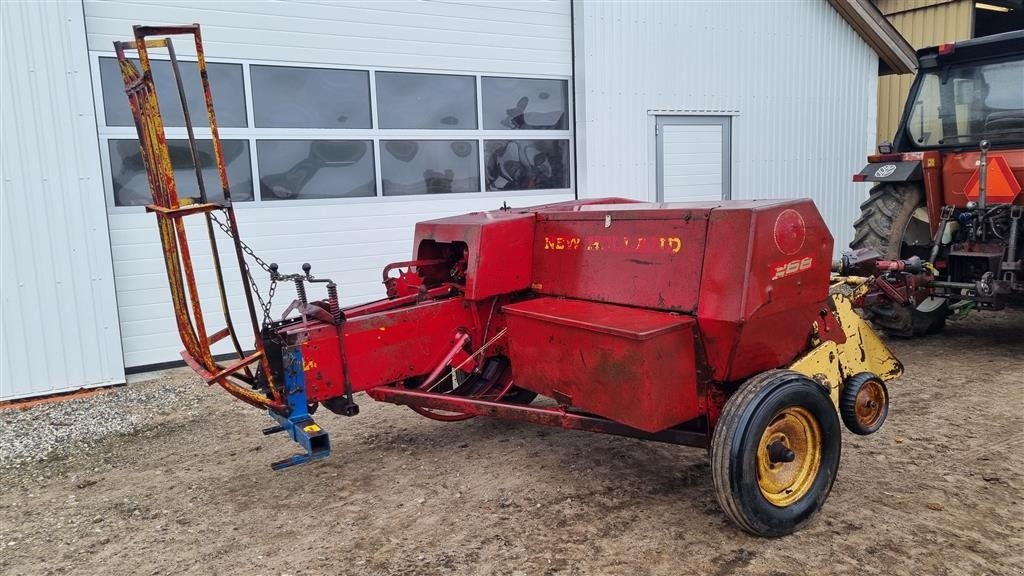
[(775, 452), (894, 220), (864, 403)]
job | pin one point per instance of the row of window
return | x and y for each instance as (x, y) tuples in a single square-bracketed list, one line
[(312, 169), (314, 133), (325, 98)]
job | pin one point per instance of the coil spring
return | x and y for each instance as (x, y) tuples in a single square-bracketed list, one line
[(332, 301)]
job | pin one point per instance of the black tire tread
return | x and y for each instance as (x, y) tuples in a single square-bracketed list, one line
[(722, 439), (884, 216)]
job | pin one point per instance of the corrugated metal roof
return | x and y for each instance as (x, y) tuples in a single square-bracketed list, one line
[(896, 54), (889, 7)]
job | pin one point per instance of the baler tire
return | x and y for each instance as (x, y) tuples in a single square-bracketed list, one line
[(885, 217), (736, 452), (849, 400)]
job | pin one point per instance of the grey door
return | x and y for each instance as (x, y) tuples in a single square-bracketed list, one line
[(694, 158)]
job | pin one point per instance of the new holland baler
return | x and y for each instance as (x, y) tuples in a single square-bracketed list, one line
[(712, 324)]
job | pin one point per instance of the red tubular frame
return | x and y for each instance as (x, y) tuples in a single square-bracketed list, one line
[(554, 417)]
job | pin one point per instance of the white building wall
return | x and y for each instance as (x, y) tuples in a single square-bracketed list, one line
[(452, 35), (60, 329), (349, 240), (799, 84)]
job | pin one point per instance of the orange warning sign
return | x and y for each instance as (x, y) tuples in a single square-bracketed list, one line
[(1001, 186)]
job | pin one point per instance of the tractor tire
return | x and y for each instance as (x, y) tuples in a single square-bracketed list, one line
[(891, 223), (775, 453), (864, 403)]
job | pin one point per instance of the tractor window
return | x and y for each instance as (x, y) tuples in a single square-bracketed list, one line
[(960, 105)]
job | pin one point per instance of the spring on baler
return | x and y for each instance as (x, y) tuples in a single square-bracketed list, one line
[(332, 302), (300, 290)]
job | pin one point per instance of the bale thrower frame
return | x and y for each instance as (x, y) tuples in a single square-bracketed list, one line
[(246, 370)]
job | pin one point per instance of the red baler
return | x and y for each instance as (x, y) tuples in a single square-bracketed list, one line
[(708, 324)]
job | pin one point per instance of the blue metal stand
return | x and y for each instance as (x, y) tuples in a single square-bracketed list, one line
[(299, 423)]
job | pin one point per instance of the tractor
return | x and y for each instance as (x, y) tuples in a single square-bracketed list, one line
[(948, 191), (716, 325)]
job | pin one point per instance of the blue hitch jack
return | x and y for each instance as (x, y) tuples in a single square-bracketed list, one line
[(299, 422)]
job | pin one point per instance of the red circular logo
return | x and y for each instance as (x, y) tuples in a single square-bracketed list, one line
[(790, 232)]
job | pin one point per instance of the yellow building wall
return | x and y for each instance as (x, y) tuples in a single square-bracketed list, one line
[(923, 23)]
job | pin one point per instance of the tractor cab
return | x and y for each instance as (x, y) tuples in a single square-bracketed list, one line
[(964, 94)]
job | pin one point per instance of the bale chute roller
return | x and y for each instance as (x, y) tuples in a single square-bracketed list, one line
[(709, 324)]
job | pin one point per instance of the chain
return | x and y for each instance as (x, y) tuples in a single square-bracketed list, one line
[(264, 304), (245, 247)]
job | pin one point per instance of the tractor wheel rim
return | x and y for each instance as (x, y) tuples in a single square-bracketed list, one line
[(869, 405), (783, 483)]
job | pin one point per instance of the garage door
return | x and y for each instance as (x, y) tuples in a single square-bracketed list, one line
[(343, 124), (693, 158)]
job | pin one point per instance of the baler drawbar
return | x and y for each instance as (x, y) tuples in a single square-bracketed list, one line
[(708, 324)]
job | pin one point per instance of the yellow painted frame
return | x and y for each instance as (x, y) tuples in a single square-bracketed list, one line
[(829, 363)]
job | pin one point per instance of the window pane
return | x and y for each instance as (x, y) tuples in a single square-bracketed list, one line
[(131, 188), (526, 164), (960, 105), (315, 169), (287, 97), (429, 166), (426, 101), (525, 104), (225, 83)]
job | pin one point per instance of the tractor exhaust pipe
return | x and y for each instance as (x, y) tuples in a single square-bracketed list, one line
[(983, 175)]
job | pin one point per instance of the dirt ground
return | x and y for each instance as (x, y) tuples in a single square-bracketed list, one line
[(939, 490)]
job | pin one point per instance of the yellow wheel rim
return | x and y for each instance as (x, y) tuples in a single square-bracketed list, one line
[(789, 456)]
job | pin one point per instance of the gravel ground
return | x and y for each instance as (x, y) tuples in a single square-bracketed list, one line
[(169, 476), (56, 429)]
